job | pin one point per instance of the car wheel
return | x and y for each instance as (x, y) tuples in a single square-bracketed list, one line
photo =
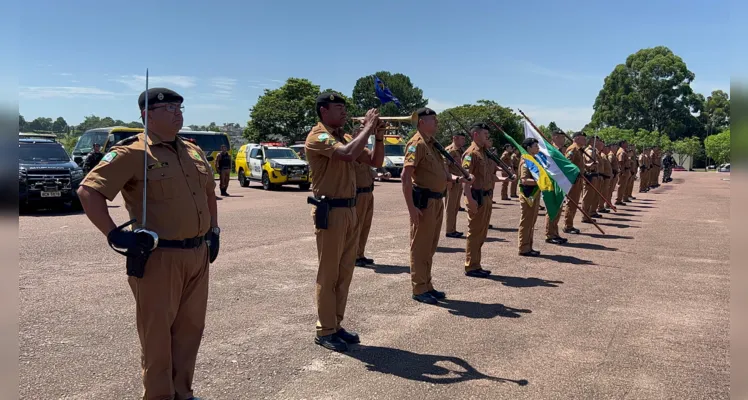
[(266, 181), (243, 179), (304, 186)]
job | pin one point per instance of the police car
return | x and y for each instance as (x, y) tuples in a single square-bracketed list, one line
[(271, 164)]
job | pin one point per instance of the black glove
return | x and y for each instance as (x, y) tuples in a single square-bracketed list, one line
[(213, 245), (122, 239)]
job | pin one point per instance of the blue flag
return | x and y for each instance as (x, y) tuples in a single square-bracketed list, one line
[(384, 94)]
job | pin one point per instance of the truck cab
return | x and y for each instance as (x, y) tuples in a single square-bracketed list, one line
[(273, 165), (394, 153)]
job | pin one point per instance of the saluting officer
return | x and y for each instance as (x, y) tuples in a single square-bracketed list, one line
[(574, 154), (454, 192), (478, 198), (172, 294), (424, 182), (551, 225), (332, 165)]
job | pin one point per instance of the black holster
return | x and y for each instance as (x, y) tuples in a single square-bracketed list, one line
[(322, 211), (136, 264), (138, 253), (527, 190), (420, 198), (477, 196)]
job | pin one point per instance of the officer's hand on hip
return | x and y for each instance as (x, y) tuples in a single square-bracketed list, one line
[(123, 239)]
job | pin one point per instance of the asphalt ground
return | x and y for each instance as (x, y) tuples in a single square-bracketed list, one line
[(641, 312)]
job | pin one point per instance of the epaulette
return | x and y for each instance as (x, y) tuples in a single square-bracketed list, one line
[(127, 141)]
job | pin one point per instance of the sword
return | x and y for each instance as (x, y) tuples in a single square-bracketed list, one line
[(143, 228)]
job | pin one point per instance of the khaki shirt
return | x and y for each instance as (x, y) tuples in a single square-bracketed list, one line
[(574, 154), (179, 181), (456, 153), (655, 159), (364, 179), (476, 162), (605, 167), (515, 161), (595, 156), (429, 171), (332, 178), (644, 160), (623, 160), (613, 160)]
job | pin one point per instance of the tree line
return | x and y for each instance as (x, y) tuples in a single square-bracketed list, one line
[(646, 100)]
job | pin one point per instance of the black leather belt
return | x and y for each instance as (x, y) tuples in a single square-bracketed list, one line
[(368, 189), (430, 193), (341, 203), (481, 192), (181, 244)]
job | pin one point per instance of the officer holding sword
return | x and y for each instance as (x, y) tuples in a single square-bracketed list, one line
[(169, 182)]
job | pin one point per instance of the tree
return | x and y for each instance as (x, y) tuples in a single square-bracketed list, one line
[(365, 97), (552, 127), (482, 111), (22, 125), (716, 114), (717, 147), (651, 91), (286, 113), (687, 147), (60, 125), (41, 125)]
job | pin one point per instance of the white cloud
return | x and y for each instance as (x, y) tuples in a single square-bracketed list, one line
[(567, 118), (137, 82), (439, 106), (41, 92), (64, 74), (225, 84)]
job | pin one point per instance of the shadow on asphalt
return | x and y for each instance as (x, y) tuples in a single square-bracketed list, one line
[(588, 246), (518, 282), (620, 219), (622, 226), (387, 269), (474, 309), (442, 249), (493, 239), (566, 259), (420, 367), (600, 236), (504, 229)]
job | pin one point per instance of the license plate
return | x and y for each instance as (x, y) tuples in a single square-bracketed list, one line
[(50, 194)]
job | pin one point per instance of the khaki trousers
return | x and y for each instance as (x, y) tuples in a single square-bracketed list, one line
[(623, 181), (551, 226), (604, 185), (336, 252), (364, 215), (644, 179), (477, 232), (424, 238), (514, 185), (569, 209), (527, 218), (225, 177), (590, 197), (171, 300), (504, 189), (630, 187), (612, 188), (454, 193)]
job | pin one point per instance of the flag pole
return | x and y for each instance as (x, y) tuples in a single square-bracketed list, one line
[(580, 173), (567, 196)]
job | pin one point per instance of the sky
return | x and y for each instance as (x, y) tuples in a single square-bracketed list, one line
[(548, 58)]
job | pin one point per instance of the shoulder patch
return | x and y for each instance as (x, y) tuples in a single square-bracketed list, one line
[(412, 148), (196, 155), (109, 156)]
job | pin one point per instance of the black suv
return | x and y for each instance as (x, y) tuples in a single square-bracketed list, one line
[(47, 176)]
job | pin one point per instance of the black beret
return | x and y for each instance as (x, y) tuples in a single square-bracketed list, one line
[(425, 111), (528, 142), (557, 132), (329, 97), (458, 133), (159, 95), (614, 143), (479, 125), (577, 134)]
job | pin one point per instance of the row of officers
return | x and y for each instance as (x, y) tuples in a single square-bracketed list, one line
[(169, 278), (343, 199)]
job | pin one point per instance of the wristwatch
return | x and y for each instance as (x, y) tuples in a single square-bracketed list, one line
[(216, 230)]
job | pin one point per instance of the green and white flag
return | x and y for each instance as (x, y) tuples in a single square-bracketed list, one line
[(563, 172)]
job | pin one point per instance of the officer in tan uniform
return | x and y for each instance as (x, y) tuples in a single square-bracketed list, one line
[(656, 161), (529, 201), (332, 162), (590, 196), (424, 183), (634, 164), (489, 147), (506, 158), (606, 174), (454, 191), (516, 158), (171, 286), (551, 226), (615, 168), (574, 154), (644, 171), (364, 208), (624, 165), (478, 198)]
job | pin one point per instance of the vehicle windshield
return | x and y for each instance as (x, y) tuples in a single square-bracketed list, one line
[(42, 152), (280, 153), (394, 150), (208, 143), (86, 141)]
